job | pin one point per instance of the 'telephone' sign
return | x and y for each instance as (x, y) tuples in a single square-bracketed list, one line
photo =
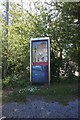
[(40, 60)]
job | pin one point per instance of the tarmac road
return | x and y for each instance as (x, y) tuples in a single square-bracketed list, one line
[(41, 109)]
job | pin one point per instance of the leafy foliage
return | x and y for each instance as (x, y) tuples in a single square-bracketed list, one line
[(59, 21)]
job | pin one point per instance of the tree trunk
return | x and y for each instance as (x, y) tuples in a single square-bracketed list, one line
[(79, 40), (60, 62), (4, 68)]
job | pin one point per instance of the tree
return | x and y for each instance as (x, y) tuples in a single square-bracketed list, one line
[(67, 30), (5, 42), (55, 20)]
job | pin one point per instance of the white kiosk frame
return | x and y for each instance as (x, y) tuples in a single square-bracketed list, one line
[(40, 39)]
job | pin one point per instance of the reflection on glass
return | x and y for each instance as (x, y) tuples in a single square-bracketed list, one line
[(40, 51)]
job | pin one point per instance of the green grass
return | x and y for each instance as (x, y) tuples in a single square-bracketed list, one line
[(60, 92)]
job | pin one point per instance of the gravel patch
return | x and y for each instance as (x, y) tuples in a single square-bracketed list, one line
[(41, 109)]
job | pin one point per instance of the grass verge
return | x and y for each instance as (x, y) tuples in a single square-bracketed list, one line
[(59, 92)]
